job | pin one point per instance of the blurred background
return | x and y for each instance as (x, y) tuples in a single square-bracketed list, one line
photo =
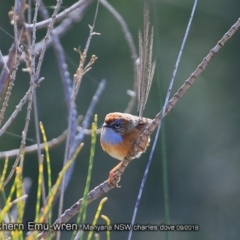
[(201, 134)]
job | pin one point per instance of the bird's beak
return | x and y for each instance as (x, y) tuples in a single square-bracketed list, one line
[(105, 125)]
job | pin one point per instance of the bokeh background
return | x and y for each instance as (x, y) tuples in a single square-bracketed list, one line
[(201, 134)]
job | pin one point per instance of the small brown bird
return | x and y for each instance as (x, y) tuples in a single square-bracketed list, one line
[(119, 132)]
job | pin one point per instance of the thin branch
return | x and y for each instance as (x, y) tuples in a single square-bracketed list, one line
[(18, 158), (81, 70), (23, 197), (51, 144), (10, 85), (9, 63), (17, 17), (59, 16), (33, 148), (4, 63), (132, 49), (46, 39), (18, 108)]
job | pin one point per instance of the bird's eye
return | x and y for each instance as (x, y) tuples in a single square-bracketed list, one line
[(117, 124)]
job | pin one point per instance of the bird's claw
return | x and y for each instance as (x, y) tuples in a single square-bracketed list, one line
[(113, 179)]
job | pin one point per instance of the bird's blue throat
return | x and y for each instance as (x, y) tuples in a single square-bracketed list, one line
[(110, 137)]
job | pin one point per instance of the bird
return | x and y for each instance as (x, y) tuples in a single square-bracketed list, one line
[(119, 132)]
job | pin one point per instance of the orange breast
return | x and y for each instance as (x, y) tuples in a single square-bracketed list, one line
[(118, 151)]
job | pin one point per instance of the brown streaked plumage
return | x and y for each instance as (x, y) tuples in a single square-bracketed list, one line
[(120, 131)]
